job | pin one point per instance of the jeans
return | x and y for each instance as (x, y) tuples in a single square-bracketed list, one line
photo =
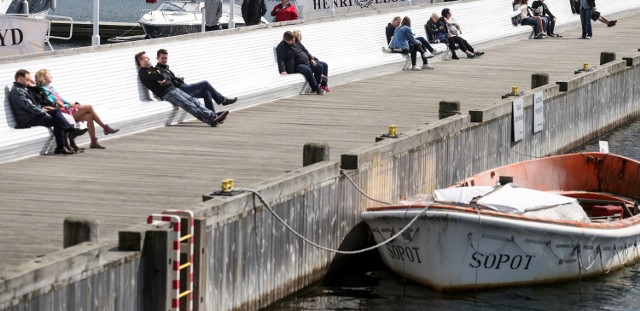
[(56, 119), (585, 21), (310, 75), (189, 104), (204, 90), (321, 69), (531, 22)]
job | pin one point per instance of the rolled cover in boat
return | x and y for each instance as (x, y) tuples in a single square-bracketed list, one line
[(521, 200), (462, 195)]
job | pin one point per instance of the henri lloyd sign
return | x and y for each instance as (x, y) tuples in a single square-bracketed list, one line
[(22, 35), (315, 8)]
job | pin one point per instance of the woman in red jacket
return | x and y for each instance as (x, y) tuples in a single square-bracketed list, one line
[(284, 11)]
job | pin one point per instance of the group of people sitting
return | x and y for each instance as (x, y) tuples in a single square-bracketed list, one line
[(543, 21), (439, 29), (38, 103)]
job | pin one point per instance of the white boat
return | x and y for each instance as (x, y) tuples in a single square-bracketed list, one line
[(24, 28), (569, 216), (173, 18)]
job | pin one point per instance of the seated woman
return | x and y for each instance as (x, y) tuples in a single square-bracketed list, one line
[(79, 112), (537, 22), (403, 39), (321, 66), (450, 33), (431, 28), (425, 46)]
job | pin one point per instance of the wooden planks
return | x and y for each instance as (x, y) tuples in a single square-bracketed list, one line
[(172, 167)]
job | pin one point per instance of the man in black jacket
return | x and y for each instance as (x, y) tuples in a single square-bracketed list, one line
[(166, 90), (293, 57), (202, 89), (28, 112), (253, 11), (541, 9), (586, 10)]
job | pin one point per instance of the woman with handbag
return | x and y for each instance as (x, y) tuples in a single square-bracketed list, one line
[(79, 112)]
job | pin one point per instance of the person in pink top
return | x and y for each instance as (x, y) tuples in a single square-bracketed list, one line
[(284, 11), (79, 112)]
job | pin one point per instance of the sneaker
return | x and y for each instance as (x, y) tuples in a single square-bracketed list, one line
[(228, 101), (109, 130), (538, 36), (478, 53), (325, 88), (471, 56), (426, 66), (435, 52), (416, 68), (219, 118), (386, 50), (320, 92), (97, 146), (588, 37)]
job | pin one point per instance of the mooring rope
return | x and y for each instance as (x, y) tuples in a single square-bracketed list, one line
[(284, 223), (360, 190)]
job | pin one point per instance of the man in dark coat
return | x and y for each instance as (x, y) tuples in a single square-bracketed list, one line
[(253, 11), (293, 57)]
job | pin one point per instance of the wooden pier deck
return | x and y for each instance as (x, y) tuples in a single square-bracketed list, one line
[(172, 167)]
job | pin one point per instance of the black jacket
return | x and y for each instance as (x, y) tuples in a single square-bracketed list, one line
[(252, 11), (389, 30), (168, 74), (544, 11), (155, 81), (431, 29), (286, 58)]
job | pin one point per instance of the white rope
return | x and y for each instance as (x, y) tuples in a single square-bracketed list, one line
[(284, 223), (360, 190)]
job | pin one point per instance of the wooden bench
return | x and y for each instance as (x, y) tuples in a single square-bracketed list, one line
[(237, 63)]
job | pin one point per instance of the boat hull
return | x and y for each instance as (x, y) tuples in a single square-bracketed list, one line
[(450, 250)]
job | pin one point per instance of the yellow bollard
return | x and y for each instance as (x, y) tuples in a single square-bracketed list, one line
[(514, 90), (226, 185), (585, 67), (393, 131)]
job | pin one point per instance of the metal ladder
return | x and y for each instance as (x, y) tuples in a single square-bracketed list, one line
[(182, 244)]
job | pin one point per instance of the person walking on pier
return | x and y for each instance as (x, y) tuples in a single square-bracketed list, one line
[(293, 57), (201, 89), (79, 112), (28, 112), (164, 88), (586, 10)]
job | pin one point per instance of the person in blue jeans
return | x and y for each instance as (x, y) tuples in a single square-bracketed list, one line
[(166, 90), (586, 9), (293, 57), (201, 89)]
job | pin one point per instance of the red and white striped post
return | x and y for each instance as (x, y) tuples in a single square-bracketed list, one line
[(175, 280), (191, 229)]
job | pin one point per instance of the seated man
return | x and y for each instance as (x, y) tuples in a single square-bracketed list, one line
[(202, 89), (541, 9), (164, 88), (293, 57), (28, 112)]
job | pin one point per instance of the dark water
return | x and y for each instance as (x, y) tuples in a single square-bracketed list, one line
[(368, 285)]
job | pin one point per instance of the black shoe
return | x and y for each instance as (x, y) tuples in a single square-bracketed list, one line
[(455, 57), (219, 118), (62, 150), (76, 132), (228, 101), (320, 92), (611, 23), (479, 53)]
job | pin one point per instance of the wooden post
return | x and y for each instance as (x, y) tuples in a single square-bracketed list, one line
[(78, 230), (200, 264), (448, 108), (539, 79), (315, 152), (156, 270), (606, 57)]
